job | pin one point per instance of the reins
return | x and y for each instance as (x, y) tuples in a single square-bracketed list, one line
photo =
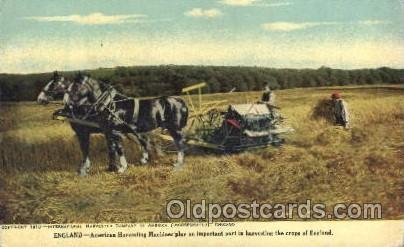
[(55, 103)]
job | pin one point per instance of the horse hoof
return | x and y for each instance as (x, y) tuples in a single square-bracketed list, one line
[(143, 161), (82, 173), (121, 170), (178, 167), (111, 169)]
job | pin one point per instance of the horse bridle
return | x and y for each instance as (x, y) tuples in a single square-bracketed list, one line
[(99, 105)]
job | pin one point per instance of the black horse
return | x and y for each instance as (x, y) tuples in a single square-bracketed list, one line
[(113, 114)]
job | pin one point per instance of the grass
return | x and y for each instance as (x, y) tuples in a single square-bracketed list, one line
[(39, 158)]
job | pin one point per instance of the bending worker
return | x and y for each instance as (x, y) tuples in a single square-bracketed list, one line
[(341, 114)]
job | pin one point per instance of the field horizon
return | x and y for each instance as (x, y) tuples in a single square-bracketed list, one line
[(319, 161)]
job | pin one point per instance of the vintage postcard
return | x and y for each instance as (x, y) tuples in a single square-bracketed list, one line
[(203, 122)]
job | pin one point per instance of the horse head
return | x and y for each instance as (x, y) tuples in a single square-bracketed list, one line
[(55, 87), (86, 94)]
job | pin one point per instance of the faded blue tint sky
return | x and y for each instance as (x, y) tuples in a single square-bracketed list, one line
[(45, 35)]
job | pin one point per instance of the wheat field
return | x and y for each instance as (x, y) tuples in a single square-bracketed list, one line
[(321, 162)]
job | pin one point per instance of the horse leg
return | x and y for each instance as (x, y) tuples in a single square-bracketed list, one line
[(84, 140), (122, 160), (180, 144), (111, 154), (116, 149), (145, 143)]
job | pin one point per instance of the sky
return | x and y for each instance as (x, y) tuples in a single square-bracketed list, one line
[(47, 35)]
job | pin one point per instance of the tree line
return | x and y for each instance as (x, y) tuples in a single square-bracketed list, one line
[(170, 79)]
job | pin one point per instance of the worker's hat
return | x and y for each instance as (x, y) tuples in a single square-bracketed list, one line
[(335, 95)]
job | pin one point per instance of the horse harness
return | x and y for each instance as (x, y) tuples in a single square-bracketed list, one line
[(106, 102)]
